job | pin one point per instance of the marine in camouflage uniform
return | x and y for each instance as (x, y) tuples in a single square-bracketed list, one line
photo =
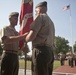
[(10, 45), (42, 33)]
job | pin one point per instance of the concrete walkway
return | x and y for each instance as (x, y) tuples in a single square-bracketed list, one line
[(22, 72), (28, 72)]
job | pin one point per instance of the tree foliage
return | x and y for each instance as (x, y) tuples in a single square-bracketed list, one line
[(61, 45), (74, 46), (1, 50)]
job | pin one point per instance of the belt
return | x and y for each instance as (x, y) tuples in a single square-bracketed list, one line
[(42, 45), (11, 51)]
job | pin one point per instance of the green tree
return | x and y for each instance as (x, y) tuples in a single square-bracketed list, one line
[(74, 46), (61, 45), (1, 50)]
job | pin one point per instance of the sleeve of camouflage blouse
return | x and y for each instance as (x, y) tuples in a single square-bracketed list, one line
[(3, 35), (37, 23)]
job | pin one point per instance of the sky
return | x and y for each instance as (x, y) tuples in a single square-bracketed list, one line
[(65, 23)]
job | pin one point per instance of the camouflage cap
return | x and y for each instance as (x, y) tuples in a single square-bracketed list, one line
[(44, 3), (14, 14)]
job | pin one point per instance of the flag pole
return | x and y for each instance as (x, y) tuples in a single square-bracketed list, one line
[(26, 50), (25, 62), (71, 28), (25, 45)]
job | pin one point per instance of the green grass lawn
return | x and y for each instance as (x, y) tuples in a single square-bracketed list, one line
[(56, 64), (22, 64)]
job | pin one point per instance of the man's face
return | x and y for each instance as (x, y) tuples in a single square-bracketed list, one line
[(41, 9), (37, 10), (13, 20)]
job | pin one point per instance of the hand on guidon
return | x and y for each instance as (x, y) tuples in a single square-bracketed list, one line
[(25, 34), (25, 49)]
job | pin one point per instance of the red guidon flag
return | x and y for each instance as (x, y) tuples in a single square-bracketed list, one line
[(26, 17)]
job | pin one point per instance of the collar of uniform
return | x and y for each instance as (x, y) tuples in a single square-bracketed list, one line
[(12, 28)]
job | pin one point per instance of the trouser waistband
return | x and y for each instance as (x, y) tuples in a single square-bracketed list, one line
[(37, 45), (11, 51)]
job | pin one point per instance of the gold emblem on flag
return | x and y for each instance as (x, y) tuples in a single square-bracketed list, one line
[(30, 2)]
